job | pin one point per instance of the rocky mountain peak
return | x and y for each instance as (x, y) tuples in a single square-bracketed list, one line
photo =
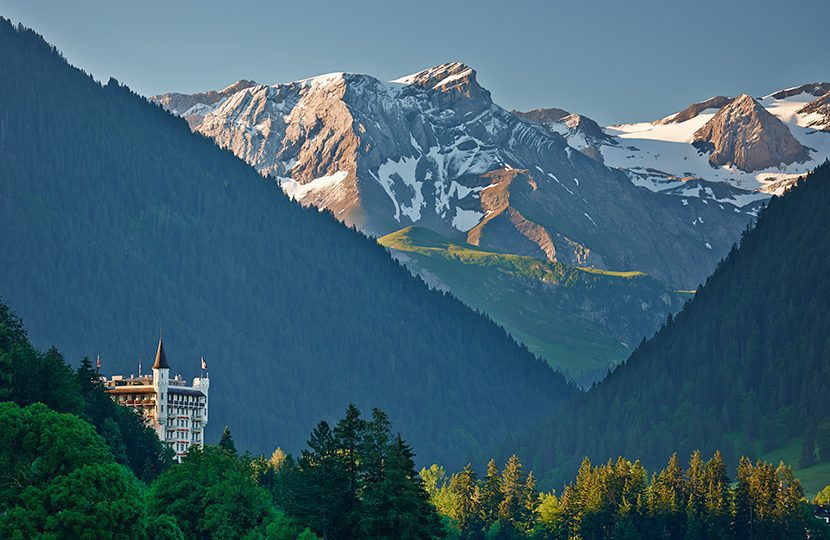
[(453, 79), (587, 127), (815, 89), (237, 86), (820, 109), (441, 76), (543, 116), (715, 102), (744, 134)]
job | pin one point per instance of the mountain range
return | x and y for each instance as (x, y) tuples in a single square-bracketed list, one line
[(431, 150), (741, 369), (118, 221)]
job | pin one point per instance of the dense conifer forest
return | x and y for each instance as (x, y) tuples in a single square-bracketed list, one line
[(117, 221), (68, 458), (742, 368)]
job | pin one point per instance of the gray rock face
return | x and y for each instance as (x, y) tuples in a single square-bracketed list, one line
[(193, 107), (746, 135), (432, 149), (580, 131), (695, 109), (820, 109), (815, 89)]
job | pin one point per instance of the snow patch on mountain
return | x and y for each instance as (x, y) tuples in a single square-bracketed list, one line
[(464, 220), (404, 171), (298, 191)]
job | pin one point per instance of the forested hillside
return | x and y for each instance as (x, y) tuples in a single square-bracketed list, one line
[(742, 368), (117, 221)]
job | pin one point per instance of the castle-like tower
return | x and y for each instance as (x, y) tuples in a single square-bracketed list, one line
[(177, 412)]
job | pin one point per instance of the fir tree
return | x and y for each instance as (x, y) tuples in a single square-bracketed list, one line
[(226, 441), (491, 495)]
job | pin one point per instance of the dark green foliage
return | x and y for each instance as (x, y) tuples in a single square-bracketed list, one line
[(808, 448), (163, 527), (59, 479), (226, 441), (130, 440), (743, 367), (116, 219), (357, 481), (29, 376), (823, 440), (34, 377), (212, 493)]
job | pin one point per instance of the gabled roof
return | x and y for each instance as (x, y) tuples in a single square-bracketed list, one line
[(161, 358)]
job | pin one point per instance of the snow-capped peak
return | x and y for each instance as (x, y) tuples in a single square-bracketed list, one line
[(324, 79), (439, 76)]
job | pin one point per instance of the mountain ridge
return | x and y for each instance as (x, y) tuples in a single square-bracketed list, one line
[(119, 220), (740, 369)]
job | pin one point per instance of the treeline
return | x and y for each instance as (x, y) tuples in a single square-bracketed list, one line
[(94, 470), (29, 376), (117, 219), (742, 368), (74, 464), (357, 480), (619, 500), (61, 480)]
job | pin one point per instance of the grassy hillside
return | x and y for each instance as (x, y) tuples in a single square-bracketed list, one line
[(535, 300), (814, 478)]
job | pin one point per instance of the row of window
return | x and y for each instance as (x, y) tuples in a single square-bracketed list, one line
[(194, 437)]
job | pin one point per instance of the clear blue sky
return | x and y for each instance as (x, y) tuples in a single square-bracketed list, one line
[(614, 60)]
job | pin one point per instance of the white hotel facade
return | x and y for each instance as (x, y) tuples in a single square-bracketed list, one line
[(178, 412)]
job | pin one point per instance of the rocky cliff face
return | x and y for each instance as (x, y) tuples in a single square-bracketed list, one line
[(580, 131), (433, 150), (818, 112), (745, 135), (695, 109), (193, 107)]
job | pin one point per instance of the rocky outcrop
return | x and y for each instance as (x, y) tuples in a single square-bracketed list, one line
[(819, 109), (695, 109), (815, 89), (543, 116), (745, 135), (193, 107), (433, 150), (581, 132), (503, 228)]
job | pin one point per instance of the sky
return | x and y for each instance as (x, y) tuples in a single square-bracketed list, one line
[(613, 60)]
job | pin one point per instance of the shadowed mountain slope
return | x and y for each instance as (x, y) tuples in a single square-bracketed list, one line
[(117, 220), (742, 368)]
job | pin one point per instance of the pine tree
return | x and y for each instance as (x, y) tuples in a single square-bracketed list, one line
[(717, 499), (744, 511), (319, 487), (348, 436), (788, 503), (823, 440), (464, 486), (695, 498), (226, 441), (491, 495), (808, 448), (512, 492), (531, 502), (398, 506)]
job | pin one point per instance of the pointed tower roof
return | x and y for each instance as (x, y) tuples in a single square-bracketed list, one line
[(161, 358)]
